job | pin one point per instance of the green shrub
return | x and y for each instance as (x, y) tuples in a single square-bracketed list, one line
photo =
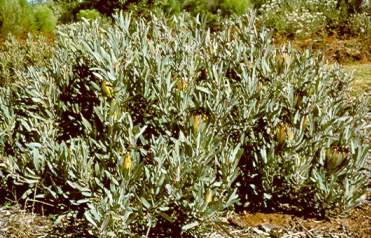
[(236, 6), (90, 14), (210, 9), (349, 7), (18, 18), (65, 11), (15, 17), (258, 3), (80, 154), (360, 24), (69, 11), (307, 17), (171, 6), (44, 19), (299, 17), (152, 130)]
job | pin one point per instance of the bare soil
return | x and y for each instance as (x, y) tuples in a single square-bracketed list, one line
[(339, 49), (18, 223), (357, 224)]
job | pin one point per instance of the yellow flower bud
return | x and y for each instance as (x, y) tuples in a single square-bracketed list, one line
[(209, 196), (280, 60), (181, 85), (127, 163), (106, 89), (334, 157), (281, 134), (284, 132), (197, 119)]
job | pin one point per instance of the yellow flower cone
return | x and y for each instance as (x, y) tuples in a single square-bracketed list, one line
[(197, 119), (334, 158), (106, 89), (209, 196), (127, 162), (181, 85), (281, 134)]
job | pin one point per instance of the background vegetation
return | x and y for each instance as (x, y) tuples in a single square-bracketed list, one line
[(18, 17)]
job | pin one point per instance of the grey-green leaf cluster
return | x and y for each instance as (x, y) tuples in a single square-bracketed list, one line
[(155, 130)]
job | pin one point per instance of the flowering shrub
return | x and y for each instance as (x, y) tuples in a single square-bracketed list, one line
[(90, 14), (298, 17), (304, 18), (147, 129), (360, 24)]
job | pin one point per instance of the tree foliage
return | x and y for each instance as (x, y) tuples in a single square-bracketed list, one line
[(18, 17), (15, 16)]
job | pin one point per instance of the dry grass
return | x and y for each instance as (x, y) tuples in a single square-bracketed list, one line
[(362, 77), (18, 223)]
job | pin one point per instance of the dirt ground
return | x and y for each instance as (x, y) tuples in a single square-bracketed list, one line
[(357, 224), (340, 49), (17, 223)]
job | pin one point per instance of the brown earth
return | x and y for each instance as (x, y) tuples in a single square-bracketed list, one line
[(18, 223), (340, 49), (357, 224)]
